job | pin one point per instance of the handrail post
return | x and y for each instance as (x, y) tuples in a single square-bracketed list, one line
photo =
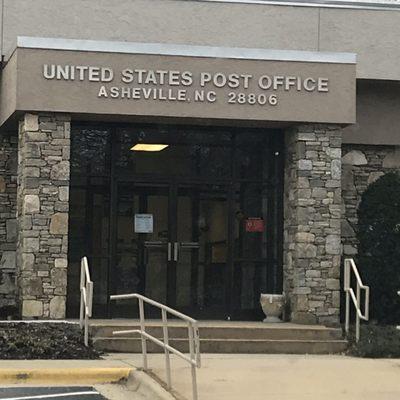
[(82, 305), (358, 313), (367, 303), (346, 288), (90, 298), (193, 336), (143, 329), (86, 333), (86, 291), (197, 344), (355, 298), (193, 360), (398, 326), (166, 351)]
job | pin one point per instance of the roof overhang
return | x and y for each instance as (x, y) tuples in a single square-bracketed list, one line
[(142, 80)]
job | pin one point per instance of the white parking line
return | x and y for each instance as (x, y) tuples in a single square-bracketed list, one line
[(48, 396)]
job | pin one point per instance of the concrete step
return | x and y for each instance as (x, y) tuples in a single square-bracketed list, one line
[(224, 337), (249, 346), (277, 332)]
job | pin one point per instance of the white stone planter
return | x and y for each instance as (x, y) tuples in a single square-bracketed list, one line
[(272, 305)]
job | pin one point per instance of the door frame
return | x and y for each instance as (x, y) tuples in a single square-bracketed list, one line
[(173, 186)]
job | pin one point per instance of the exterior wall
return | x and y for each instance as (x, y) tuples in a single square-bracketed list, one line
[(312, 223), (322, 193), (42, 214), (378, 117), (316, 28), (330, 99), (205, 23), (361, 165), (8, 228), (376, 47)]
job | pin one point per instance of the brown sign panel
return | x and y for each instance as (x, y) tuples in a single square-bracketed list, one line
[(106, 83)]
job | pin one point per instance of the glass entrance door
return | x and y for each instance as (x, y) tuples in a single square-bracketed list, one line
[(171, 245), (203, 242), (142, 249)]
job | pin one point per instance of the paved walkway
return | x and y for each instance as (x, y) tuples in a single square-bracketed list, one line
[(259, 377), (282, 377)]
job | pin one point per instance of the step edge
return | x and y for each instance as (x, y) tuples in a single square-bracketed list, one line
[(256, 327), (231, 340)]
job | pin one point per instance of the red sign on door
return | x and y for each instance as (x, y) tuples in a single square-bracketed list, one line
[(254, 225)]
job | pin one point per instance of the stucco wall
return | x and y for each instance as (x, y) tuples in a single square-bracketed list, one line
[(372, 34), (378, 116)]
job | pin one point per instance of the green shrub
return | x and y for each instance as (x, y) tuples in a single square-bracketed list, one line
[(379, 246), (376, 342)]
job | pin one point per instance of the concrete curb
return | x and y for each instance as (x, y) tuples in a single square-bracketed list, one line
[(89, 375), (147, 387)]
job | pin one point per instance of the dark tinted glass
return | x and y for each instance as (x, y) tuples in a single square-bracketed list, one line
[(90, 151)]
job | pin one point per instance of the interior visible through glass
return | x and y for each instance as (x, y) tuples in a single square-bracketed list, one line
[(196, 225)]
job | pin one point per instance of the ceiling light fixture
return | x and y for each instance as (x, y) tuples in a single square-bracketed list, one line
[(149, 147)]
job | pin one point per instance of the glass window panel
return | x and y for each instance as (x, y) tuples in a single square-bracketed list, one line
[(251, 220), (98, 268), (194, 154), (202, 224), (250, 283), (89, 208), (90, 151), (250, 160)]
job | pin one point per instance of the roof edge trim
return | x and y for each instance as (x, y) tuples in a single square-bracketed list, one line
[(167, 49)]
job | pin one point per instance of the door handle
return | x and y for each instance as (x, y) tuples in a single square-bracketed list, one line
[(190, 245), (176, 251), (154, 244), (169, 251)]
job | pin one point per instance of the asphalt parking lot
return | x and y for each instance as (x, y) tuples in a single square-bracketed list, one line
[(48, 393)]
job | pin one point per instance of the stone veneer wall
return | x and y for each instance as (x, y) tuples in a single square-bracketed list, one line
[(42, 214), (361, 165), (312, 209), (8, 229)]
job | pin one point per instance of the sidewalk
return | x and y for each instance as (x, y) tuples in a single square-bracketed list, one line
[(281, 377), (233, 377)]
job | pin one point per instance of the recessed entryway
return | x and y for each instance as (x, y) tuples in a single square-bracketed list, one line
[(189, 216)]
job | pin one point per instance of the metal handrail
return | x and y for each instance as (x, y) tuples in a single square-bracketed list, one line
[(398, 326), (193, 336), (350, 265), (86, 287)]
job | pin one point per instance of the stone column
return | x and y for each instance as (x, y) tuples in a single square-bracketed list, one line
[(8, 231), (312, 209), (42, 214)]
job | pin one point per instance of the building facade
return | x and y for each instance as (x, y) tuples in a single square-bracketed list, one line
[(198, 152)]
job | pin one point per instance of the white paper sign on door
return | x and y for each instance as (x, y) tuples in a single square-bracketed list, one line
[(143, 223)]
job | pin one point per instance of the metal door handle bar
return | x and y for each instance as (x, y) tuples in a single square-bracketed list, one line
[(190, 245), (176, 251), (155, 244), (169, 251)]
